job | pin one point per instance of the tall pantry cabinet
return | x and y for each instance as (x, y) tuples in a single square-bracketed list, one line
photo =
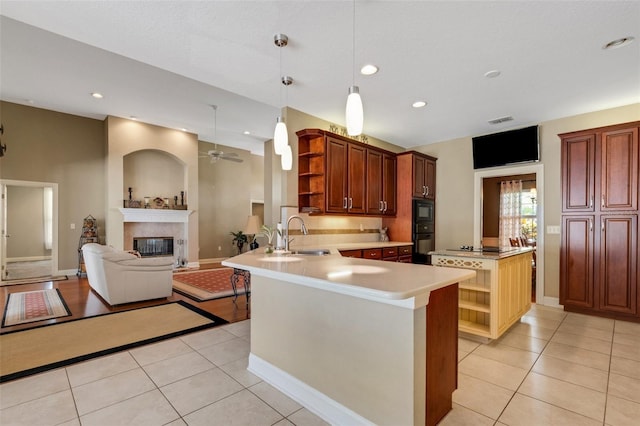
[(599, 265)]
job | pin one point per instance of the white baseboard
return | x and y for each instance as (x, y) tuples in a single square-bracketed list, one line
[(313, 400), (67, 272), (553, 302), (27, 259)]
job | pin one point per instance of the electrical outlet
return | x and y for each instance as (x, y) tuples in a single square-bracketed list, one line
[(73, 226), (553, 230), (219, 248)]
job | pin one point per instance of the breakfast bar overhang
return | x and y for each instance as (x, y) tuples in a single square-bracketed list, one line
[(355, 341)]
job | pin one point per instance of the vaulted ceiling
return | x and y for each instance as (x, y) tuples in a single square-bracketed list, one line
[(165, 62)]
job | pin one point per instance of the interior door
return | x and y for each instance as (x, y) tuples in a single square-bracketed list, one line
[(29, 229)]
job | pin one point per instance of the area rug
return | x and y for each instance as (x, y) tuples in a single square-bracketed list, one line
[(207, 284), (32, 306), (34, 280), (43, 348)]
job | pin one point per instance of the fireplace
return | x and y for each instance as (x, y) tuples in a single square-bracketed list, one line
[(153, 247)]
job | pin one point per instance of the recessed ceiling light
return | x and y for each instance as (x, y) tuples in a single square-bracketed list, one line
[(618, 43), (97, 95), (134, 118), (492, 74), (246, 132), (183, 129), (368, 69), (418, 104)]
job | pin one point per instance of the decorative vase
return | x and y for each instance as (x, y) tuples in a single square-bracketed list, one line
[(269, 249)]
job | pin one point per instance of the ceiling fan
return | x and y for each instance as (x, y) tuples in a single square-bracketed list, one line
[(215, 154)]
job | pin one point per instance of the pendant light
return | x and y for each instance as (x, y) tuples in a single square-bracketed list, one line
[(287, 158), (354, 112), (281, 135)]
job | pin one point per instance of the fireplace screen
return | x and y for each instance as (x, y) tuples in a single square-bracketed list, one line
[(156, 246)]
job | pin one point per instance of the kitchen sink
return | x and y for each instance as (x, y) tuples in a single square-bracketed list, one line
[(319, 252)]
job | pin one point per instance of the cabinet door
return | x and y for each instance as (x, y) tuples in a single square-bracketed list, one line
[(578, 171), (430, 179), (336, 176), (618, 260), (389, 196), (576, 261), (375, 203), (419, 188), (356, 181), (619, 170)]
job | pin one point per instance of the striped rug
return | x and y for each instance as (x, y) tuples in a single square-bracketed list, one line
[(32, 306)]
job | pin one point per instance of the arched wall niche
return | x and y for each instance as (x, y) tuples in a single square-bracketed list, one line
[(153, 173)]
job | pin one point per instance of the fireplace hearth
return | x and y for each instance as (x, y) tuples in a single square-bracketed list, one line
[(154, 246)]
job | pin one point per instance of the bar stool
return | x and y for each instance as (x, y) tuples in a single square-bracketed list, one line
[(246, 281)]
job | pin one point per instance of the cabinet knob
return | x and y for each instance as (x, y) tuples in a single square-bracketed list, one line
[(344, 203), (385, 206), (427, 191), (380, 206), (350, 203)]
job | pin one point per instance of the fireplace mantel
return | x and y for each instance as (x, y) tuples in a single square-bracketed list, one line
[(155, 215)]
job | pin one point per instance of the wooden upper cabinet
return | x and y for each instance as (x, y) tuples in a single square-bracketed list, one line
[(375, 205), (336, 157), (381, 183), (356, 181), (600, 171), (578, 173), (424, 177), (339, 176), (389, 185), (619, 170)]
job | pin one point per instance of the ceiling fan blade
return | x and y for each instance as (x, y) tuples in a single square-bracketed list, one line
[(236, 160)]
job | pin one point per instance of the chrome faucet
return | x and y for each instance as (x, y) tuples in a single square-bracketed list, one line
[(303, 228)]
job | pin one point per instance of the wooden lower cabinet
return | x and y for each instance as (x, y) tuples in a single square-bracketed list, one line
[(576, 261), (389, 254), (599, 265), (442, 341)]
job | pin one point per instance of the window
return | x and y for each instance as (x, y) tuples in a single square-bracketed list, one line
[(528, 214)]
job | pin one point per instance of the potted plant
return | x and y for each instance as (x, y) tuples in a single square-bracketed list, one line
[(239, 238), (269, 232)]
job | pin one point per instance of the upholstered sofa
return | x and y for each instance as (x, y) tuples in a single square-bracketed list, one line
[(122, 277)]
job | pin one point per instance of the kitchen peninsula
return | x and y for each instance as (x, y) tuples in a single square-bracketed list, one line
[(500, 293), (356, 341)]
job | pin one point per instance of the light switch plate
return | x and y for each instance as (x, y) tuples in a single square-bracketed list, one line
[(553, 230)]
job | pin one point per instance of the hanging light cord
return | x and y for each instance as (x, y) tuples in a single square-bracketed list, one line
[(353, 46)]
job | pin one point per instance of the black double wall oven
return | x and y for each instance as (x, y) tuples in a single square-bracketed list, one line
[(423, 223)]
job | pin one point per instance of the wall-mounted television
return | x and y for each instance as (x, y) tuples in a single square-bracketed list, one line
[(510, 147)]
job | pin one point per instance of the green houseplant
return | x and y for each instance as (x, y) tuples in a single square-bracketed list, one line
[(239, 239)]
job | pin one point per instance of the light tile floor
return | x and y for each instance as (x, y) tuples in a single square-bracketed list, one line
[(552, 368)]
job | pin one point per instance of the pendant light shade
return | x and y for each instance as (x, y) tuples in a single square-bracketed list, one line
[(280, 136), (287, 158), (354, 112)]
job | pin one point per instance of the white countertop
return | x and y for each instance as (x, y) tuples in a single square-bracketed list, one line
[(402, 284), (508, 252)]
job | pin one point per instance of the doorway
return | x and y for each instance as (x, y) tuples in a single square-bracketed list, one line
[(536, 173), (29, 230)]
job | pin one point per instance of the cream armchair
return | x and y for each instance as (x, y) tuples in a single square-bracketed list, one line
[(121, 277)]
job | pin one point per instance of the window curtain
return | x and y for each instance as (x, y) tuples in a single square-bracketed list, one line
[(510, 208), (48, 218)]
